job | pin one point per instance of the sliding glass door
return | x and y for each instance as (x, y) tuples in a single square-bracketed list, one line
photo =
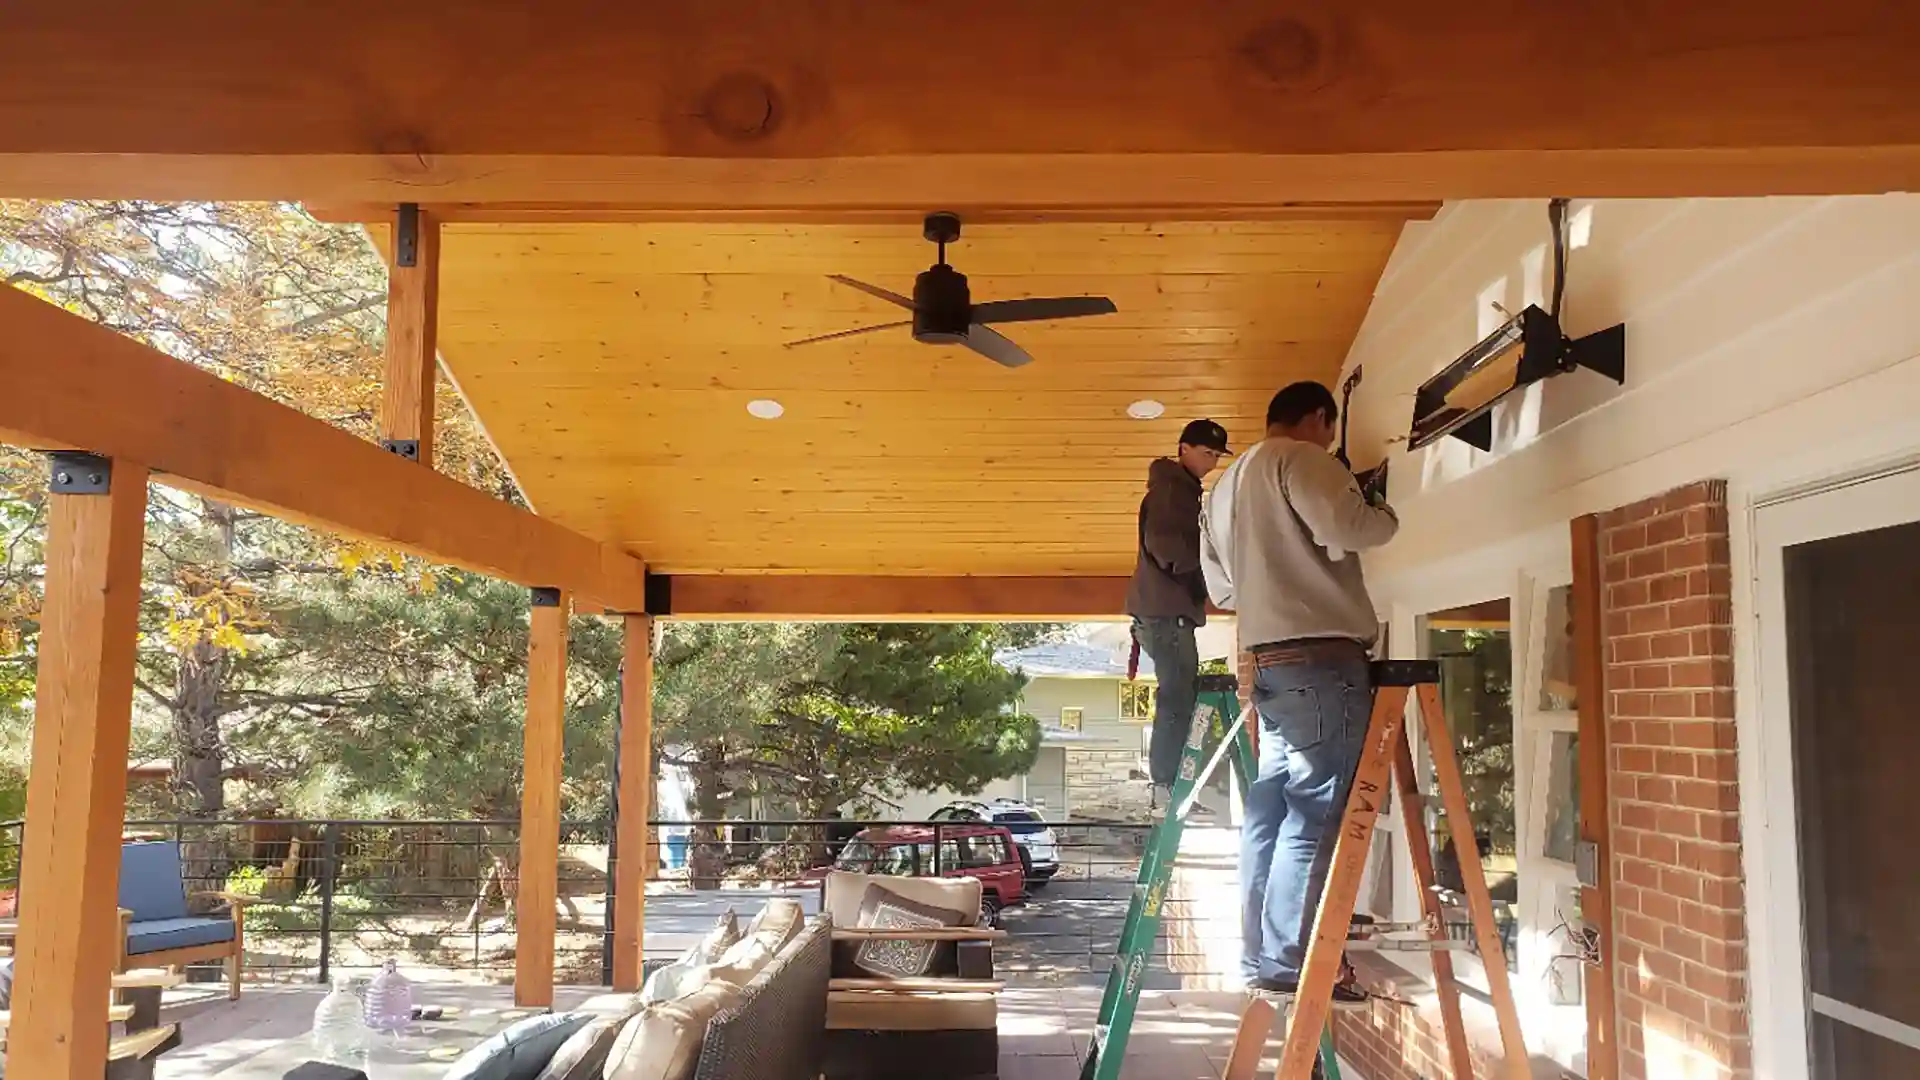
[(1839, 605)]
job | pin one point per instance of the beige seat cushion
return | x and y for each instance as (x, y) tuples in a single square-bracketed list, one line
[(893, 1010), (846, 889), (663, 1040)]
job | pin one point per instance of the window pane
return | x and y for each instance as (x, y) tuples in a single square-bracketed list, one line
[(1070, 718), (1563, 796), (1556, 653), (896, 859), (1474, 647)]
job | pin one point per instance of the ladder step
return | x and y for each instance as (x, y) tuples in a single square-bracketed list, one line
[(1409, 945)]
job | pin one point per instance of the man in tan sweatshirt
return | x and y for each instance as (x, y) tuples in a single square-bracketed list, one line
[(1295, 519)]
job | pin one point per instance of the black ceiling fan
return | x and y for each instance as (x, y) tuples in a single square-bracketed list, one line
[(944, 312)]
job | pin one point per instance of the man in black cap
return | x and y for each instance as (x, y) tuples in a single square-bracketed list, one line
[(1168, 596)]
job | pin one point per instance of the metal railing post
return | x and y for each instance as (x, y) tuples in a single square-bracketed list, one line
[(936, 850), (329, 852)]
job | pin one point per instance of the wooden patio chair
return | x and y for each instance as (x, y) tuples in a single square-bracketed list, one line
[(130, 1056), (157, 929)]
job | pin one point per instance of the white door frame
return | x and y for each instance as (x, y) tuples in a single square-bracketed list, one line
[(1776, 928)]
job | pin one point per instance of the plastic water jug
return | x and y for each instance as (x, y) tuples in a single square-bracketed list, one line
[(339, 1035), (389, 1005)]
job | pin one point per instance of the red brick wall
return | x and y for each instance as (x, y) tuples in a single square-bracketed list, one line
[(1680, 931), (1679, 901)]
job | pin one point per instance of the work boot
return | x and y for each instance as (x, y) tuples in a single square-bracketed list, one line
[(1346, 996)]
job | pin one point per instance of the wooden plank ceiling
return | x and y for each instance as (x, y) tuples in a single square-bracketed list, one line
[(613, 365)]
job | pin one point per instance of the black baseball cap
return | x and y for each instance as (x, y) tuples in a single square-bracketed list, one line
[(1205, 433)]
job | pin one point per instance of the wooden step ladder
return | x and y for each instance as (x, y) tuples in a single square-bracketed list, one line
[(1387, 756)]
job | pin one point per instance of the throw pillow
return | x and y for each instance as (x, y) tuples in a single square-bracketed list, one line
[(687, 973), (883, 909), (521, 1051), (584, 1055), (778, 921), (726, 931), (663, 1040)]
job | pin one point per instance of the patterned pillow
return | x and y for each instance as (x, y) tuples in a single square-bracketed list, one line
[(883, 909)]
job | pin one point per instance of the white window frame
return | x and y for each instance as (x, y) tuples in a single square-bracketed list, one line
[(1522, 570), (1559, 1031), (1079, 717)]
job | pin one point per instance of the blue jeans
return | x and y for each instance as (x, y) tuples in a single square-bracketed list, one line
[(1168, 640), (1313, 722)]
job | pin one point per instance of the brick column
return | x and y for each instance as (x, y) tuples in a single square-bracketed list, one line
[(1678, 894)]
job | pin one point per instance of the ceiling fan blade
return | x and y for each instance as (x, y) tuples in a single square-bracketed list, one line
[(873, 290), (850, 333), (1046, 307), (995, 346)]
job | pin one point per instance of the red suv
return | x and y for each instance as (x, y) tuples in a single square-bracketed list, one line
[(971, 850)]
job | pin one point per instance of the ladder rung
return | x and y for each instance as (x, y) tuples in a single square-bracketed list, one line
[(1384, 944)]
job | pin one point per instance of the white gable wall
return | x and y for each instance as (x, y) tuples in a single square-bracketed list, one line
[(1774, 343), (1768, 341)]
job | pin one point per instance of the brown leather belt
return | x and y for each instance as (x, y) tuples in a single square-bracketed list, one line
[(1310, 651)]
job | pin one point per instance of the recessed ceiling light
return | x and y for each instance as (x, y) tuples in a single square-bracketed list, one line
[(1146, 409), (766, 408)]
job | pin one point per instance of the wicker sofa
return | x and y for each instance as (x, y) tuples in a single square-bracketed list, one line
[(776, 1029)]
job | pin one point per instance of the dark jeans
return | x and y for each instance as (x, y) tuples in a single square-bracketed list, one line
[(1168, 640), (1313, 720)]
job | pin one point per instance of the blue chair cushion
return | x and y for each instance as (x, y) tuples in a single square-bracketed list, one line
[(521, 1051), (159, 935), (150, 885)]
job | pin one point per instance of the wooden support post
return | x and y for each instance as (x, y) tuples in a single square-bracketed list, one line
[(536, 897), (69, 936), (1413, 819), (1596, 902), (413, 301), (1453, 796), (631, 833)]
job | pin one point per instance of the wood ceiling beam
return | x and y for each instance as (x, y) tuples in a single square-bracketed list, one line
[(1225, 186), (72, 384), (827, 598), (1020, 107), (897, 213)]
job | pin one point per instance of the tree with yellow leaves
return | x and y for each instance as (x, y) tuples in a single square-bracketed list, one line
[(267, 297)]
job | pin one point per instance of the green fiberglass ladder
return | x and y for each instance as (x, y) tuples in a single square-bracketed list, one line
[(1210, 739)]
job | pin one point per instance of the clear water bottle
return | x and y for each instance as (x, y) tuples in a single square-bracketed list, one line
[(339, 1034)]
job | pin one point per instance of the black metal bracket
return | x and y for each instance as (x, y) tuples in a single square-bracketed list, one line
[(406, 448), (1405, 672), (545, 597), (75, 473), (659, 594), (406, 236)]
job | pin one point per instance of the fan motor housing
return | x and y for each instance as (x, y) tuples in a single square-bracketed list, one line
[(942, 306)]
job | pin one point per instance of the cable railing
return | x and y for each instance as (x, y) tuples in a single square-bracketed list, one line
[(345, 895)]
